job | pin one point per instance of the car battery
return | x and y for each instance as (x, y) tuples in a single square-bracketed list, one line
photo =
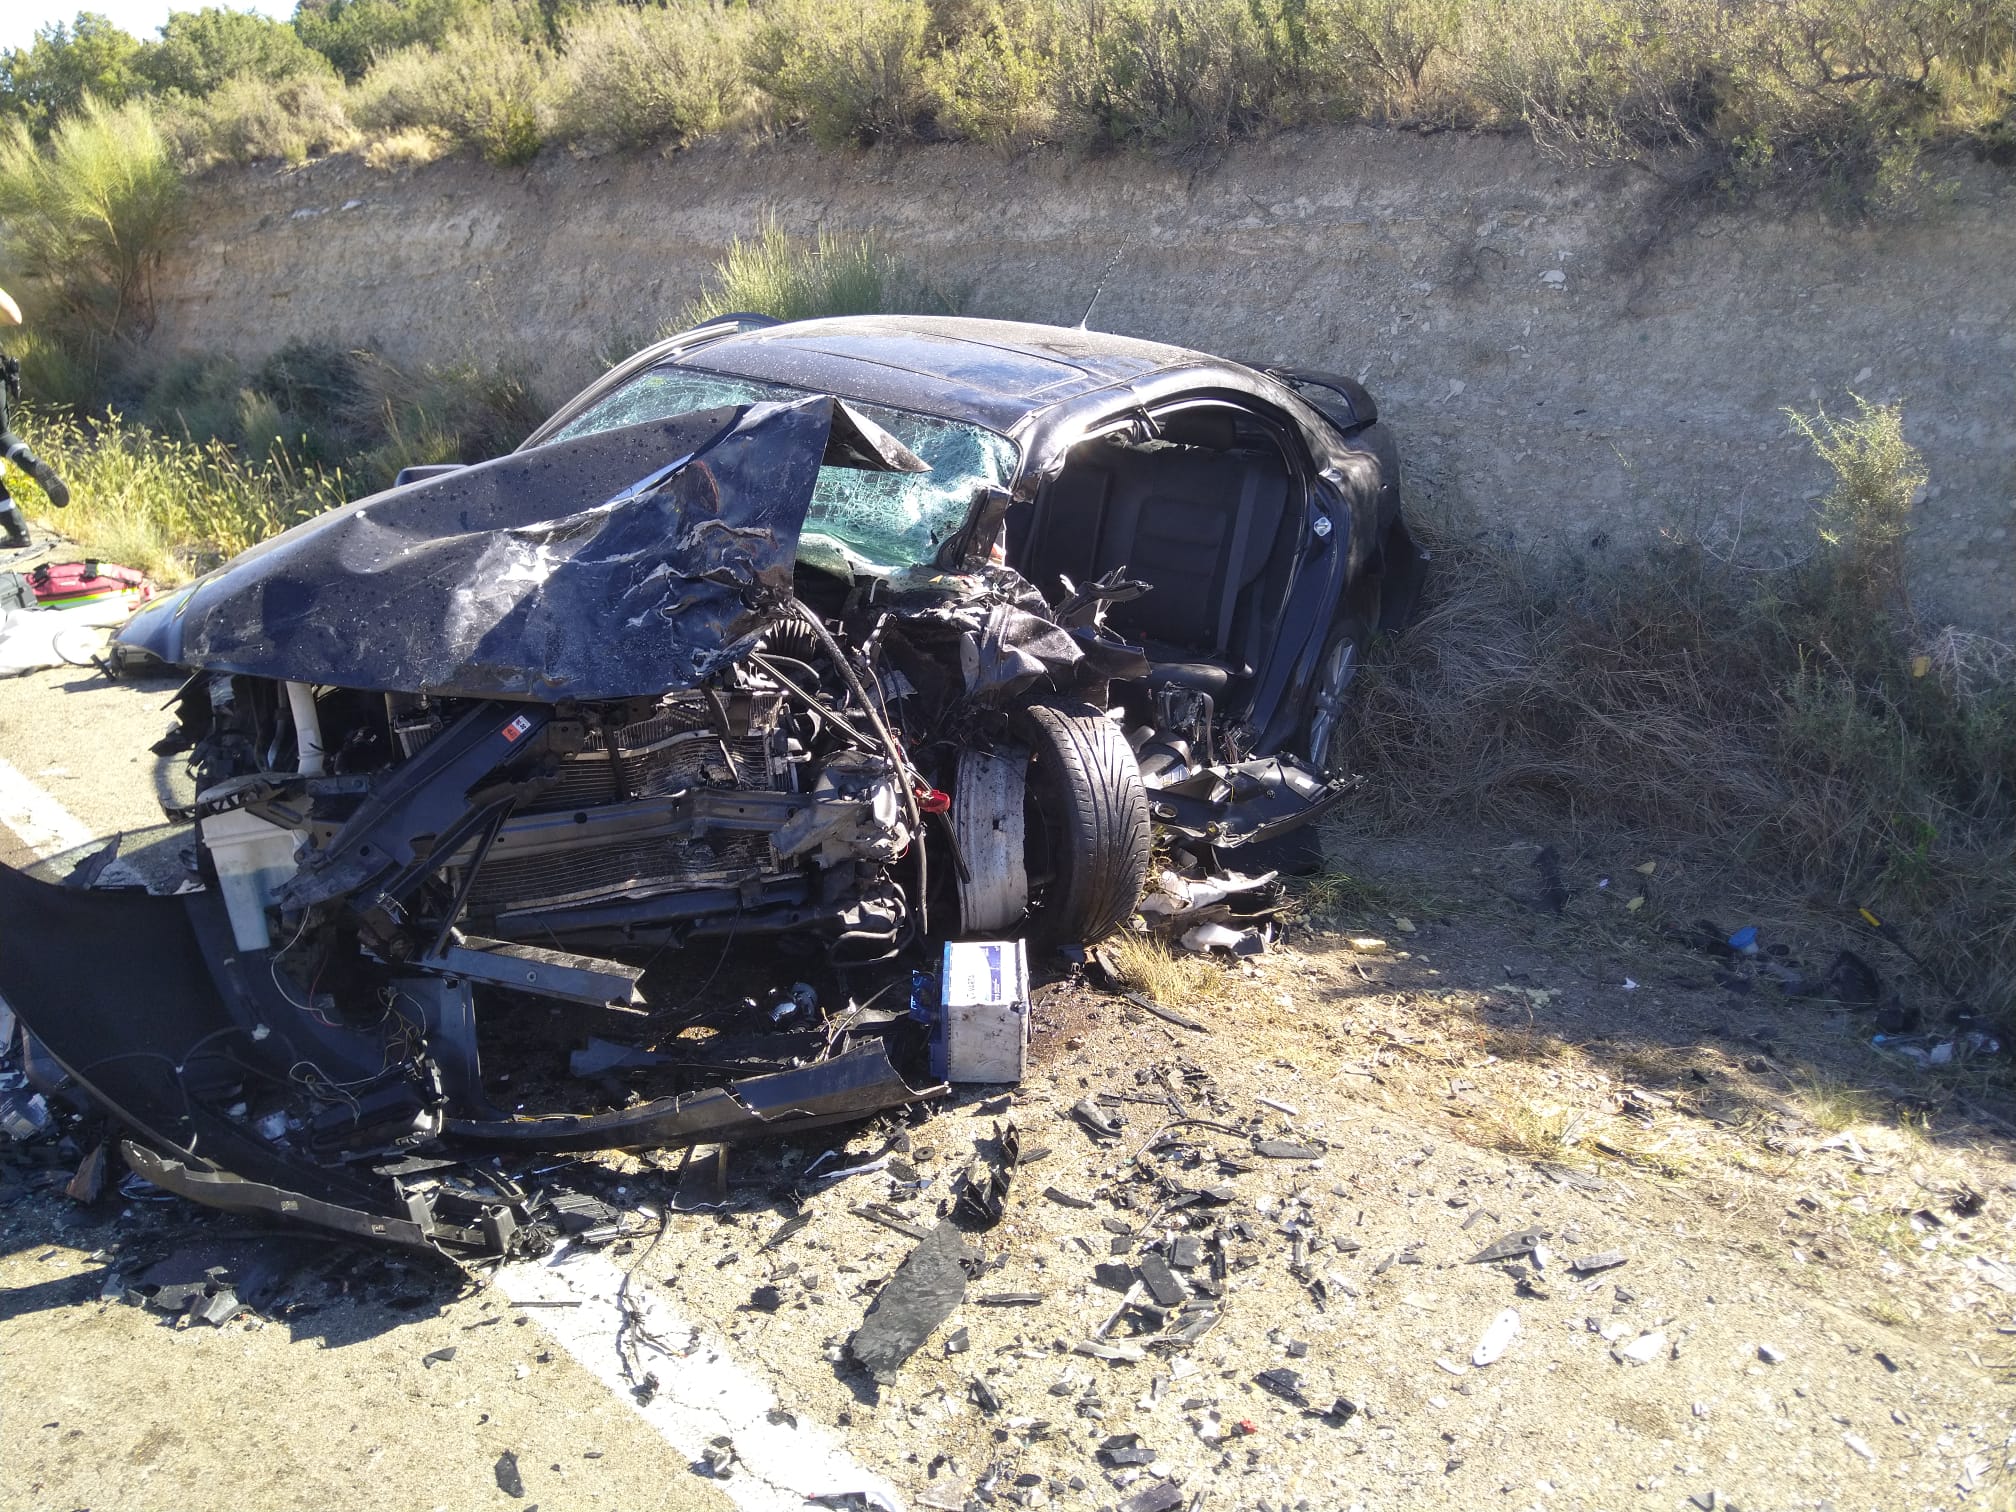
[(982, 1032)]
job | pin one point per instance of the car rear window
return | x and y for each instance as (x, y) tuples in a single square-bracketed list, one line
[(864, 523)]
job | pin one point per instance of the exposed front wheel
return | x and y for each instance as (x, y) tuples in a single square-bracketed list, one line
[(1087, 832)]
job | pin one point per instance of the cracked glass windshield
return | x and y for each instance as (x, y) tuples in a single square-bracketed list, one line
[(860, 522)]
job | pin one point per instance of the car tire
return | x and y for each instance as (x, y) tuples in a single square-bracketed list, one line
[(1088, 839), (1326, 718)]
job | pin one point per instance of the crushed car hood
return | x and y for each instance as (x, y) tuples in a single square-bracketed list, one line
[(612, 565)]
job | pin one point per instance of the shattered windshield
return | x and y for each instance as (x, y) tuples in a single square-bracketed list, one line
[(872, 523)]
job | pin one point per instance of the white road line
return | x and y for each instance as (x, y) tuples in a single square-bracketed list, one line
[(44, 825), (702, 1395)]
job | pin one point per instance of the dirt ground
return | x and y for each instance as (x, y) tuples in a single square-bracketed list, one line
[(1814, 1304)]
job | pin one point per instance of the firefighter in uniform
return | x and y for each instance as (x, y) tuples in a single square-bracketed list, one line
[(12, 522)]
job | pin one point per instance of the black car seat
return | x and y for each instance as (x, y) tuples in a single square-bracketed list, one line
[(1204, 526)]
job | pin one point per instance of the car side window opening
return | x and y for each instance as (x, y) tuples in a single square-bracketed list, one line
[(860, 523), (1208, 511)]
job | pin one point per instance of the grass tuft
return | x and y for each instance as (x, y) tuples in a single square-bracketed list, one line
[(1833, 1105), (1147, 966), (798, 278)]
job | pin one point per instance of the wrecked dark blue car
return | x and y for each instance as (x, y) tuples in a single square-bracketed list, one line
[(857, 631)]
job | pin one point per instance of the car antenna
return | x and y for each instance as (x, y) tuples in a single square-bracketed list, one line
[(1105, 274)]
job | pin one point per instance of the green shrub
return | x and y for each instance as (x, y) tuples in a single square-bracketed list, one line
[(1382, 51), (484, 88), (1600, 78), (1181, 75), (997, 80), (1864, 517), (451, 412), (61, 371), (89, 216), (657, 74), (195, 398), (793, 278), (200, 50), (248, 119), (168, 506), (851, 70)]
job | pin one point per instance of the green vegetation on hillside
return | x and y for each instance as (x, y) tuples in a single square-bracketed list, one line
[(1836, 96)]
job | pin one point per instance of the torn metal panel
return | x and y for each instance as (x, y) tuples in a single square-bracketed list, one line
[(515, 578), (852, 1085), (234, 1194), (1254, 800)]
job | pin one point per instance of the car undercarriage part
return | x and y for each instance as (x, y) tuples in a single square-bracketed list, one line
[(253, 1091)]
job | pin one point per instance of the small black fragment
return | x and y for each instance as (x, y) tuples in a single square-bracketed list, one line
[(1285, 1149), (1511, 1247), (1886, 1362), (984, 1396), (1283, 1383), (983, 1193), (1341, 1411), (1117, 1226), (438, 1356), (1112, 1276), (1010, 1299), (1163, 1496), (1096, 1119), (1186, 1252), (1162, 1281), (1298, 1349), (1057, 1195), (509, 1481), (1588, 1265), (959, 1342), (786, 1229), (1852, 980), (1131, 1455), (766, 1299)]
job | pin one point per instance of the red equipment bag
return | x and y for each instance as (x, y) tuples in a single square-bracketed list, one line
[(60, 583)]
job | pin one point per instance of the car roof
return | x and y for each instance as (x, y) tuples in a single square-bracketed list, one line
[(996, 373)]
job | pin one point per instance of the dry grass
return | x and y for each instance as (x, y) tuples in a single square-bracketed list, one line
[(169, 508), (411, 147), (1797, 722), (1834, 1105), (1535, 1132), (1144, 965)]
